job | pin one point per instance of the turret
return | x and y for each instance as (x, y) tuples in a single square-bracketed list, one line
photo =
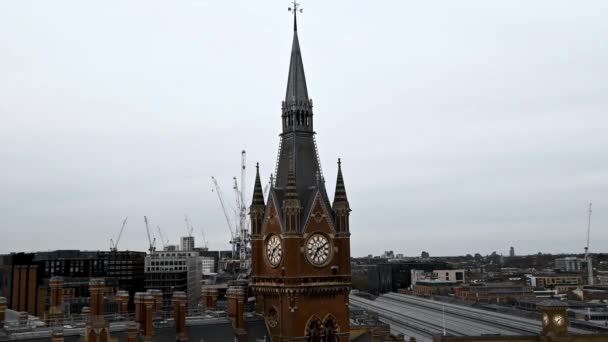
[(341, 207), (258, 207)]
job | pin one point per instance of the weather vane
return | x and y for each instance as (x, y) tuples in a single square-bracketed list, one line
[(296, 8)]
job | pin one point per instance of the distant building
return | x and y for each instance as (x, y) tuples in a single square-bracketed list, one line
[(208, 265), (456, 276), (187, 243), (24, 277), (389, 276), (399, 256), (512, 251), (175, 271), (504, 292), (429, 287), (388, 254), (562, 283), (569, 264)]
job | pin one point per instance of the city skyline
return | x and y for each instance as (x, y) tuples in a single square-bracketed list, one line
[(464, 131)]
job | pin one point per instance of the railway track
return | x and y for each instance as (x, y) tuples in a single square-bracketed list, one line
[(424, 318)]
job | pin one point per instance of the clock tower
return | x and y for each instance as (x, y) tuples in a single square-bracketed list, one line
[(300, 240)]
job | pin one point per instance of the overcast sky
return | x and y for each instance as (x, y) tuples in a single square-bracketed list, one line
[(463, 126)]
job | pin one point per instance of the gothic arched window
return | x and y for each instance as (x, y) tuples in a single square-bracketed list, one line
[(314, 332), (329, 333)]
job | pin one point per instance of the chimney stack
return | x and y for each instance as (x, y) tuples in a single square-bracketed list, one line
[(412, 339), (96, 290), (131, 332), (179, 306), (236, 296), (122, 299), (209, 298), (55, 310), (140, 309), (2, 312), (400, 338), (57, 335), (158, 300), (147, 327)]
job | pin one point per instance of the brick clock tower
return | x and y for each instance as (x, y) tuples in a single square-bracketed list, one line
[(300, 240)]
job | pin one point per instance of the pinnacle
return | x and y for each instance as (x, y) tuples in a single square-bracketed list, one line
[(340, 196), (258, 193)]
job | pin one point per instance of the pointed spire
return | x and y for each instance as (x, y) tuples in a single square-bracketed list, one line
[(258, 193), (296, 83), (340, 196)]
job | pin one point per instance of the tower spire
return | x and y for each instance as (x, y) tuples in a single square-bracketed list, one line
[(341, 207), (257, 209), (340, 195), (258, 193), (296, 84)]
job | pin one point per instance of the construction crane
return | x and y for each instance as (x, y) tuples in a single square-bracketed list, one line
[(163, 241), (204, 240), (151, 239), (587, 256), (266, 188), (220, 195), (239, 231), (114, 245), (189, 227)]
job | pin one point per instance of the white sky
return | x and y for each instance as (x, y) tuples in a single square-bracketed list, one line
[(463, 126)]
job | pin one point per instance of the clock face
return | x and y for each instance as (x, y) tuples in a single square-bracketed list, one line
[(274, 250), (318, 249), (559, 320)]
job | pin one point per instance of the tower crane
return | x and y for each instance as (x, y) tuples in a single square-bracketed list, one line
[(113, 244), (151, 239), (204, 240), (218, 191), (587, 256), (163, 241), (189, 227), (239, 231), (266, 188)]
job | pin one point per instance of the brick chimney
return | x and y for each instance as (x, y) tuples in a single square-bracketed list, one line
[(122, 299), (412, 339), (209, 298), (236, 296), (158, 300), (55, 310), (96, 290), (2, 312), (400, 338), (57, 335), (179, 313), (131, 332), (147, 325), (140, 309)]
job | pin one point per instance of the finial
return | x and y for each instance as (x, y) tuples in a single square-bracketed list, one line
[(271, 180), (257, 166), (339, 162), (295, 9)]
